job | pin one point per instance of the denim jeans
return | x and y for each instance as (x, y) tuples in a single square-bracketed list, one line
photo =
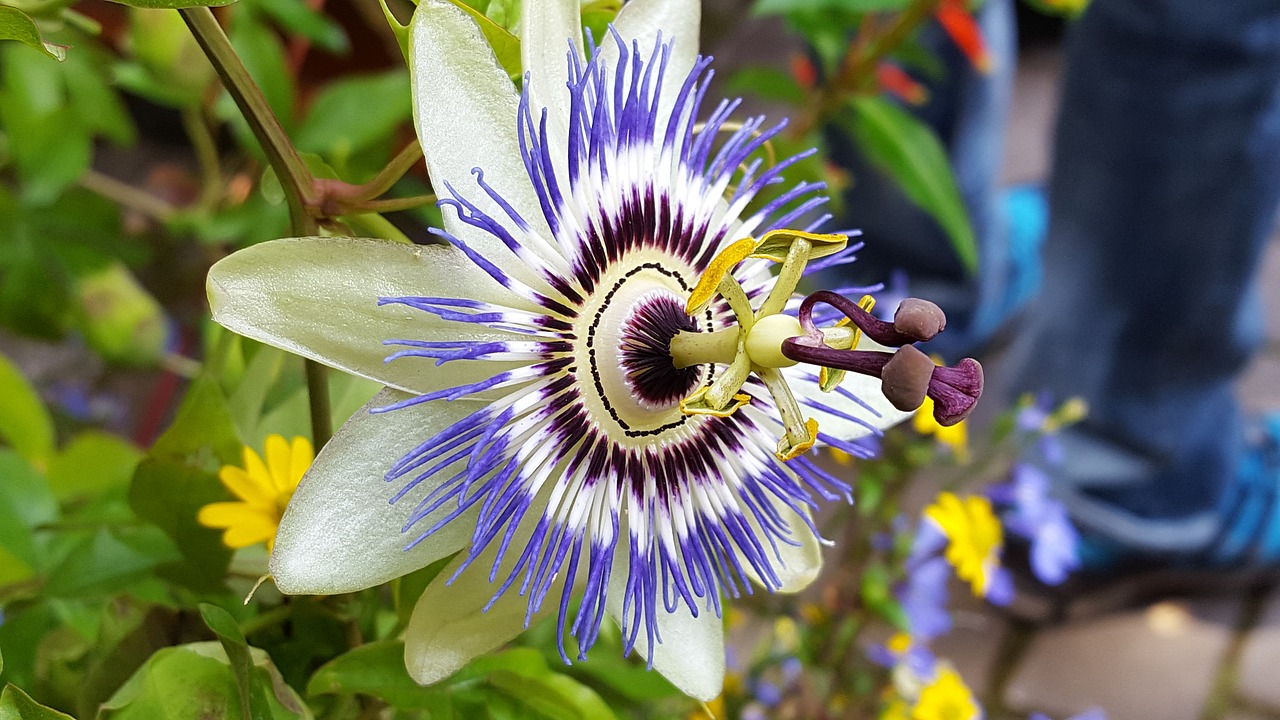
[(1163, 193)]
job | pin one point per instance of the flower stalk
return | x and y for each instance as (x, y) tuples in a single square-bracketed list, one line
[(295, 179)]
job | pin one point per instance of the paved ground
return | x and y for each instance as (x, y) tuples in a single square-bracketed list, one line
[(1179, 659)]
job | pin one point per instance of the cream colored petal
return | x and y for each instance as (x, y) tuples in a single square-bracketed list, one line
[(449, 626), (800, 564), (465, 109), (678, 21), (691, 654), (549, 30), (340, 532), (318, 297)]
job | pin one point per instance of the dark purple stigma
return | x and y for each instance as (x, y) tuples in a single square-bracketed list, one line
[(906, 375), (645, 352)]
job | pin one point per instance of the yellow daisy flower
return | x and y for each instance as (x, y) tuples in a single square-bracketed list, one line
[(946, 698), (974, 537), (264, 489), (955, 436)]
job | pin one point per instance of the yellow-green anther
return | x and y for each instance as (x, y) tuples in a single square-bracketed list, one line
[(840, 337), (721, 390), (776, 244), (733, 294), (788, 277), (796, 429)]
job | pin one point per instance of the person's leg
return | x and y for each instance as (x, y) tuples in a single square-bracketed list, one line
[(1164, 189)]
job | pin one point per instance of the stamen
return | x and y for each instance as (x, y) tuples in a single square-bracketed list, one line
[(800, 434), (788, 277), (921, 321)]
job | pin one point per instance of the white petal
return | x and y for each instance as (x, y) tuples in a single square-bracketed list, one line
[(548, 30), (448, 626), (318, 297), (691, 654), (465, 108), (800, 564), (340, 534), (678, 21)]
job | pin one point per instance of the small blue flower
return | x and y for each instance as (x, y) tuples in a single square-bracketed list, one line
[(767, 693), (924, 599), (1036, 516), (1093, 714)]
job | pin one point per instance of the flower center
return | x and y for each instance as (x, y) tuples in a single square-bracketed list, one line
[(630, 385), (644, 351)]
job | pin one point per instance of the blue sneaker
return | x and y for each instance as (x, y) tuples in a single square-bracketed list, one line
[(1127, 562)]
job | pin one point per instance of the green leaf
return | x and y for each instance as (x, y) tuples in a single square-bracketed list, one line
[(522, 675), (13, 569), (767, 83), (506, 47), (250, 395), (15, 25), (108, 561), (91, 464), (204, 424), (24, 491), (354, 113), (196, 681), (129, 632), (774, 7), (597, 14), (263, 55), (408, 588), (905, 148), (92, 96), (118, 317), (252, 700), (168, 494), (17, 705), (25, 424), (298, 18), (375, 669), (170, 67), (173, 4)]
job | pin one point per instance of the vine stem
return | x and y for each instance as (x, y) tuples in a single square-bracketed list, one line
[(295, 180)]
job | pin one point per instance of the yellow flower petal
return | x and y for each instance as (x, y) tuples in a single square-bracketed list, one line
[(245, 487), (946, 698), (228, 514), (279, 458), (257, 470), (262, 529), (302, 457), (974, 537)]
